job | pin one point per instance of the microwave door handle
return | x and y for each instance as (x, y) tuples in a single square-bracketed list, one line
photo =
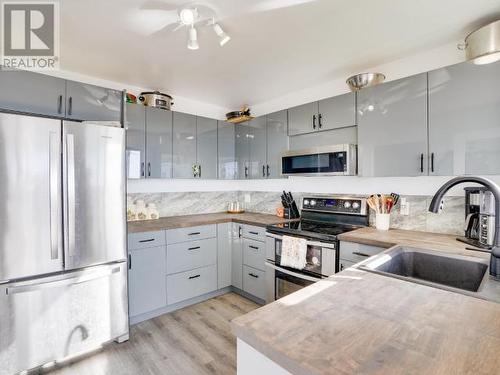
[(294, 274)]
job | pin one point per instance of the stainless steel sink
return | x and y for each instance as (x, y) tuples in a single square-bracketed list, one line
[(442, 270)]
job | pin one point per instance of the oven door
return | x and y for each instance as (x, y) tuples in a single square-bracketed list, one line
[(282, 282)]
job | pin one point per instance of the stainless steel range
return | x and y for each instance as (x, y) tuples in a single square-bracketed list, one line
[(323, 219)]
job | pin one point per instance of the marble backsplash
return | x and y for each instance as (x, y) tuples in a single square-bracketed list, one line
[(450, 221)]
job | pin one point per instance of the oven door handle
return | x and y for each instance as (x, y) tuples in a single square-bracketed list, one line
[(291, 273)]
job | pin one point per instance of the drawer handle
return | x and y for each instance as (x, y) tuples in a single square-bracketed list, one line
[(253, 247), (194, 248), (148, 240), (253, 275), (194, 277), (254, 233), (361, 254), (194, 234)]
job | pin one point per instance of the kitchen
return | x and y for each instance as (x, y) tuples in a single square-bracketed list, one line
[(191, 209)]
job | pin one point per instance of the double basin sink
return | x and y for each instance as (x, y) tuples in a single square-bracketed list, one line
[(457, 273)]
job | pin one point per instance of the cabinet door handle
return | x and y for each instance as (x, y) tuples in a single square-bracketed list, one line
[(319, 121), (254, 233), (263, 171), (194, 234), (148, 240), (268, 173), (149, 169), (142, 169), (246, 172), (421, 163), (341, 266), (199, 170), (253, 275), (194, 248), (194, 277), (70, 106), (432, 162), (129, 261), (314, 121), (361, 254), (59, 104), (239, 232), (253, 247)]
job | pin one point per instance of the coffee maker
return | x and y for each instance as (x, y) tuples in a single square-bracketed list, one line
[(479, 225)]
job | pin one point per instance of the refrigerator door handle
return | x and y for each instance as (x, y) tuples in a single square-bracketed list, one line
[(54, 183), (70, 186), (62, 282)]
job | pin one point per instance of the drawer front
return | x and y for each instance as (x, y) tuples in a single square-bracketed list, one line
[(191, 233), (254, 282), (254, 233), (185, 285), (187, 256), (356, 252), (254, 253), (345, 264), (146, 239)]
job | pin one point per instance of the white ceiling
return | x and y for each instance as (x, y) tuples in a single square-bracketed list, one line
[(277, 46)]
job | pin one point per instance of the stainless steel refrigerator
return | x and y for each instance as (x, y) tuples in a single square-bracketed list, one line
[(63, 269)]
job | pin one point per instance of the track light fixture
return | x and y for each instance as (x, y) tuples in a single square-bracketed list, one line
[(223, 37), (193, 39)]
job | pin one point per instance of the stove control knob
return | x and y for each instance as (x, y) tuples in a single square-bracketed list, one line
[(347, 204), (355, 205), (313, 202), (306, 202)]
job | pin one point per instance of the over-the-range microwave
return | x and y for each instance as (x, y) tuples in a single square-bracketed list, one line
[(335, 160)]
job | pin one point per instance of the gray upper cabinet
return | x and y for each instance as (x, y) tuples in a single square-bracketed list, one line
[(242, 152), (30, 92), (206, 148), (184, 156), (159, 143), (257, 145), (337, 112), (392, 128), (303, 119), (92, 103), (135, 124), (277, 142), (226, 149), (464, 120)]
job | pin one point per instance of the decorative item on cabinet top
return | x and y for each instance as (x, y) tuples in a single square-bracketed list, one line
[(237, 117), (156, 99)]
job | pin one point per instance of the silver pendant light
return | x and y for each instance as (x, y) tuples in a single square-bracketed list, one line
[(482, 46), (362, 80)]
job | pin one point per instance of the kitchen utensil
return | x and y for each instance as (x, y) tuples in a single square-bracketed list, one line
[(131, 98), (362, 80), (156, 99), (382, 221), (395, 197)]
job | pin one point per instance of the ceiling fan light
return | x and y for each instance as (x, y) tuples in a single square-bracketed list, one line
[(193, 39), (187, 16), (223, 37)]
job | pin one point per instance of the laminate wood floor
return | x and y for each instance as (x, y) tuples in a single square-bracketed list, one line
[(193, 340)]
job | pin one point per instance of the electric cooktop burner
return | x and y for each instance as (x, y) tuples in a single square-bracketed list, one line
[(313, 229)]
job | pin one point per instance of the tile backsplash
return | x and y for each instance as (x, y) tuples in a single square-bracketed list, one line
[(450, 221)]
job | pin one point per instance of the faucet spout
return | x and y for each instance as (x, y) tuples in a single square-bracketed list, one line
[(495, 190)]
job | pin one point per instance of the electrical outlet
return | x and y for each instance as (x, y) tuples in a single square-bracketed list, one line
[(247, 198), (404, 208)]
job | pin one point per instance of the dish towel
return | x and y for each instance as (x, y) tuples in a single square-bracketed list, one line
[(293, 252)]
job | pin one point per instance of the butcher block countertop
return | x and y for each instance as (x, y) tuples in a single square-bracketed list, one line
[(357, 322), (184, 221)]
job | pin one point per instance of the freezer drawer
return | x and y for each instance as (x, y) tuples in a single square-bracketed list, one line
[(48, 319)]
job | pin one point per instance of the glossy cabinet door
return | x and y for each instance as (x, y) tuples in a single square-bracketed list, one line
[(33, 93), (135, 125), (277, 142), (206, 149), (464, 120), (237, 257), (184, 149), (337, 112), (226, 149), (392, 128), (92, 103), (158, 143), (303, 119), (257, 146), (242, 152), (224, 254)]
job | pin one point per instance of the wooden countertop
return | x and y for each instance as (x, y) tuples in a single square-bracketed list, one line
[(184, 221), (357, 322)]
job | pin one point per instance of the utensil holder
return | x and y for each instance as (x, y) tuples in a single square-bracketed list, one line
[(382, 221)]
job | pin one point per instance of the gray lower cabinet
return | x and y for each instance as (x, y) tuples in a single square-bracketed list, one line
[(392, 128), (92, 103), (147, 271), (206, 147), (224, 254), (237, 256), (277, 142), (135, 125), (190, 284), (254, 282), (254, 256), (186, 256), (351, 253), (464, 120), (226, 151), (190, 234), (303, 118), (34, 93), (184, 147), (158, 143), (344, 264)]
